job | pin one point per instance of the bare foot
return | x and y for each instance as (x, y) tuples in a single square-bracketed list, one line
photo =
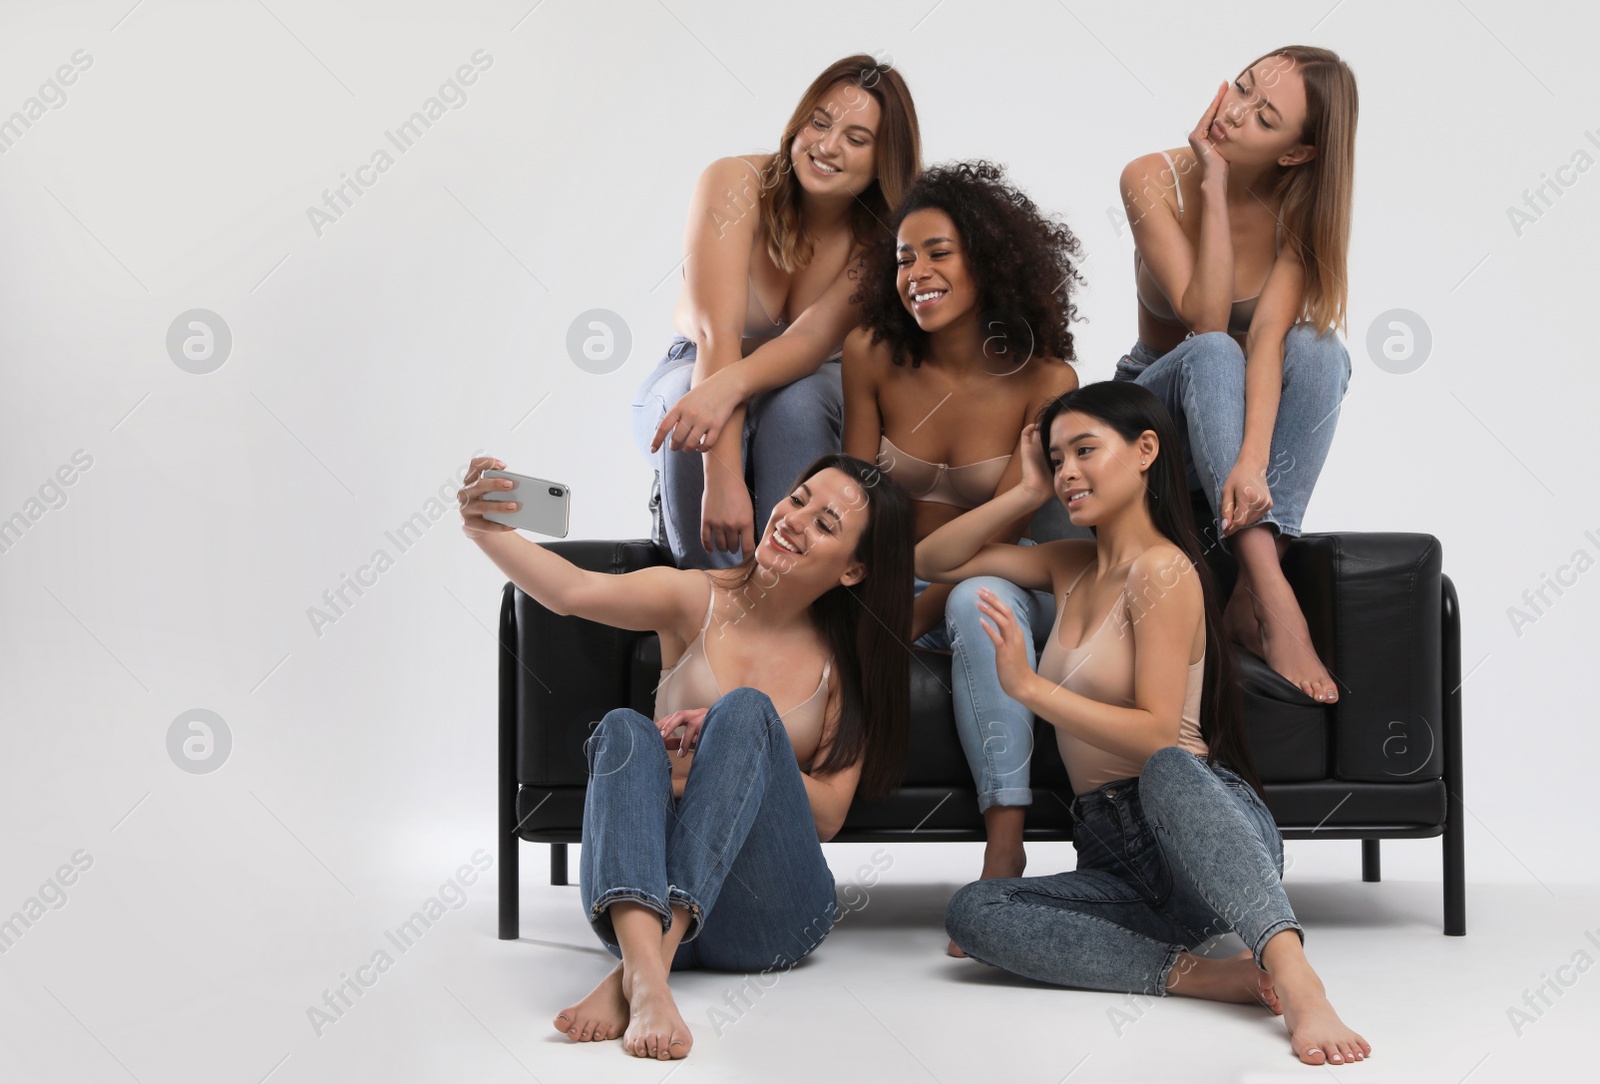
[(1316, 1034), (1286, 644), (999, 860), (1236, 979), (600, 1016), (655, 1027), (1239, 619)]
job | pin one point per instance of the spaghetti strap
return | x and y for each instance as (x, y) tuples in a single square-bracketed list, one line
[(1177, 184), (711, 603), (1073, 586)]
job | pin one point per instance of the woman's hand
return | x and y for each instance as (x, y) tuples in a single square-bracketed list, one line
[(473, 506), (1245, 496), (727, 520), (1205, 152), (1010, 643), (696, 420), (1037, 477), (691, 719)]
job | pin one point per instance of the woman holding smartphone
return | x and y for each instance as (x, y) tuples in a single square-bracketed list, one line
[(965, 336), (749, 390), (1175, 843), (1240, 245), (702, 828)]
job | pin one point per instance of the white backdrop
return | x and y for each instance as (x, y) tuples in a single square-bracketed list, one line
[(373, 354)]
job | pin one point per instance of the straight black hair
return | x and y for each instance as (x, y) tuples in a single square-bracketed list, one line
[(1131, 410)]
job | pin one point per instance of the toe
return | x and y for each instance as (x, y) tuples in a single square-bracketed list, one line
[(1313, 1056)]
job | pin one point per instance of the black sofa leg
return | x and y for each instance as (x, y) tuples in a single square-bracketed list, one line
[(1455, 838), (558, 863), (1370, 868), (506, 774)]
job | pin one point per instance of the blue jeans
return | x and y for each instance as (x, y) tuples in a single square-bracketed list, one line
[(785, 431), (1165, 862), (1201, 381), (996, 731), (739, 850)]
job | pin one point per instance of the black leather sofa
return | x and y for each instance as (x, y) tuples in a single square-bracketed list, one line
[(1384, 762)]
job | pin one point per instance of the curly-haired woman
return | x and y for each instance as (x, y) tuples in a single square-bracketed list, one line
[(749, 390), (964, 338), (1240, 241)]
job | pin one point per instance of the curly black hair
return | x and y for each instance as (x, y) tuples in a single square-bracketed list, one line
[(1022, 260)]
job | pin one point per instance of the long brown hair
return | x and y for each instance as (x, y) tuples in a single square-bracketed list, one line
[(898, 150), (1314, 197), (867, 626), (1130, 410)]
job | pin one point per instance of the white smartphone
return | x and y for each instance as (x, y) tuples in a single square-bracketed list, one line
[(543, 505)]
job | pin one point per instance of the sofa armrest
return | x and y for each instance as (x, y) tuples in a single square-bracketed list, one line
[(559, 675), (1373, 603)]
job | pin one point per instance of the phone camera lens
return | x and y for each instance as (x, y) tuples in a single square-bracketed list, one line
[(555, 491)]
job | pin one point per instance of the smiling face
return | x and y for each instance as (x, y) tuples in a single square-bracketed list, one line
[(931, 275), (813, 533), (1262, 116), (1096, 473), (835, 152)]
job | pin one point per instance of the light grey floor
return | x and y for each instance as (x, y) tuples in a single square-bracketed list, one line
[(128, 983)]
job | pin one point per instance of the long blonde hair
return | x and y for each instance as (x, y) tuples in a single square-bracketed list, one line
[(1314, 197), (899, 160)]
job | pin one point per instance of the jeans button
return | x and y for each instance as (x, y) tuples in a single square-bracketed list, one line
[(1111, 794)]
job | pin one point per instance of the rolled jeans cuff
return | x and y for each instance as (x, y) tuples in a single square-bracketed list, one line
[(1272, 931), (1005, 796), (678, 896), (1164, 973), (600, 919)]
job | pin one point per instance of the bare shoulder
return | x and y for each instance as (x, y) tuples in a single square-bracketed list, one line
[(1149, 178), (866, 355), (684, 594), (1163, 571), (1052, 377), (1065, 558)]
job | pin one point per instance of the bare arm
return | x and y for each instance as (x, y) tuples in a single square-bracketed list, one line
[(650, 599), (1199, 283), (1246, 491), (830, 795)]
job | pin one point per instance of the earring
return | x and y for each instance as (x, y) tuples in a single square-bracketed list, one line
[(1141, 462)]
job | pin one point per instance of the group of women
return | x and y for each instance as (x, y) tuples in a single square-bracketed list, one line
[(867, 408)]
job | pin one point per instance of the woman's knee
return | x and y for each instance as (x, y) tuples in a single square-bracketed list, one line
[(818, 396), (966, 916), (1214, 357), (743, 710), (963, 600), (615, 739), (1312, 358)]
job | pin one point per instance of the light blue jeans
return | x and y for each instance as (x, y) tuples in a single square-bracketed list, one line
[(785, 431), (739, 850), (1201, 381), (1165, 862), (996, 731)]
